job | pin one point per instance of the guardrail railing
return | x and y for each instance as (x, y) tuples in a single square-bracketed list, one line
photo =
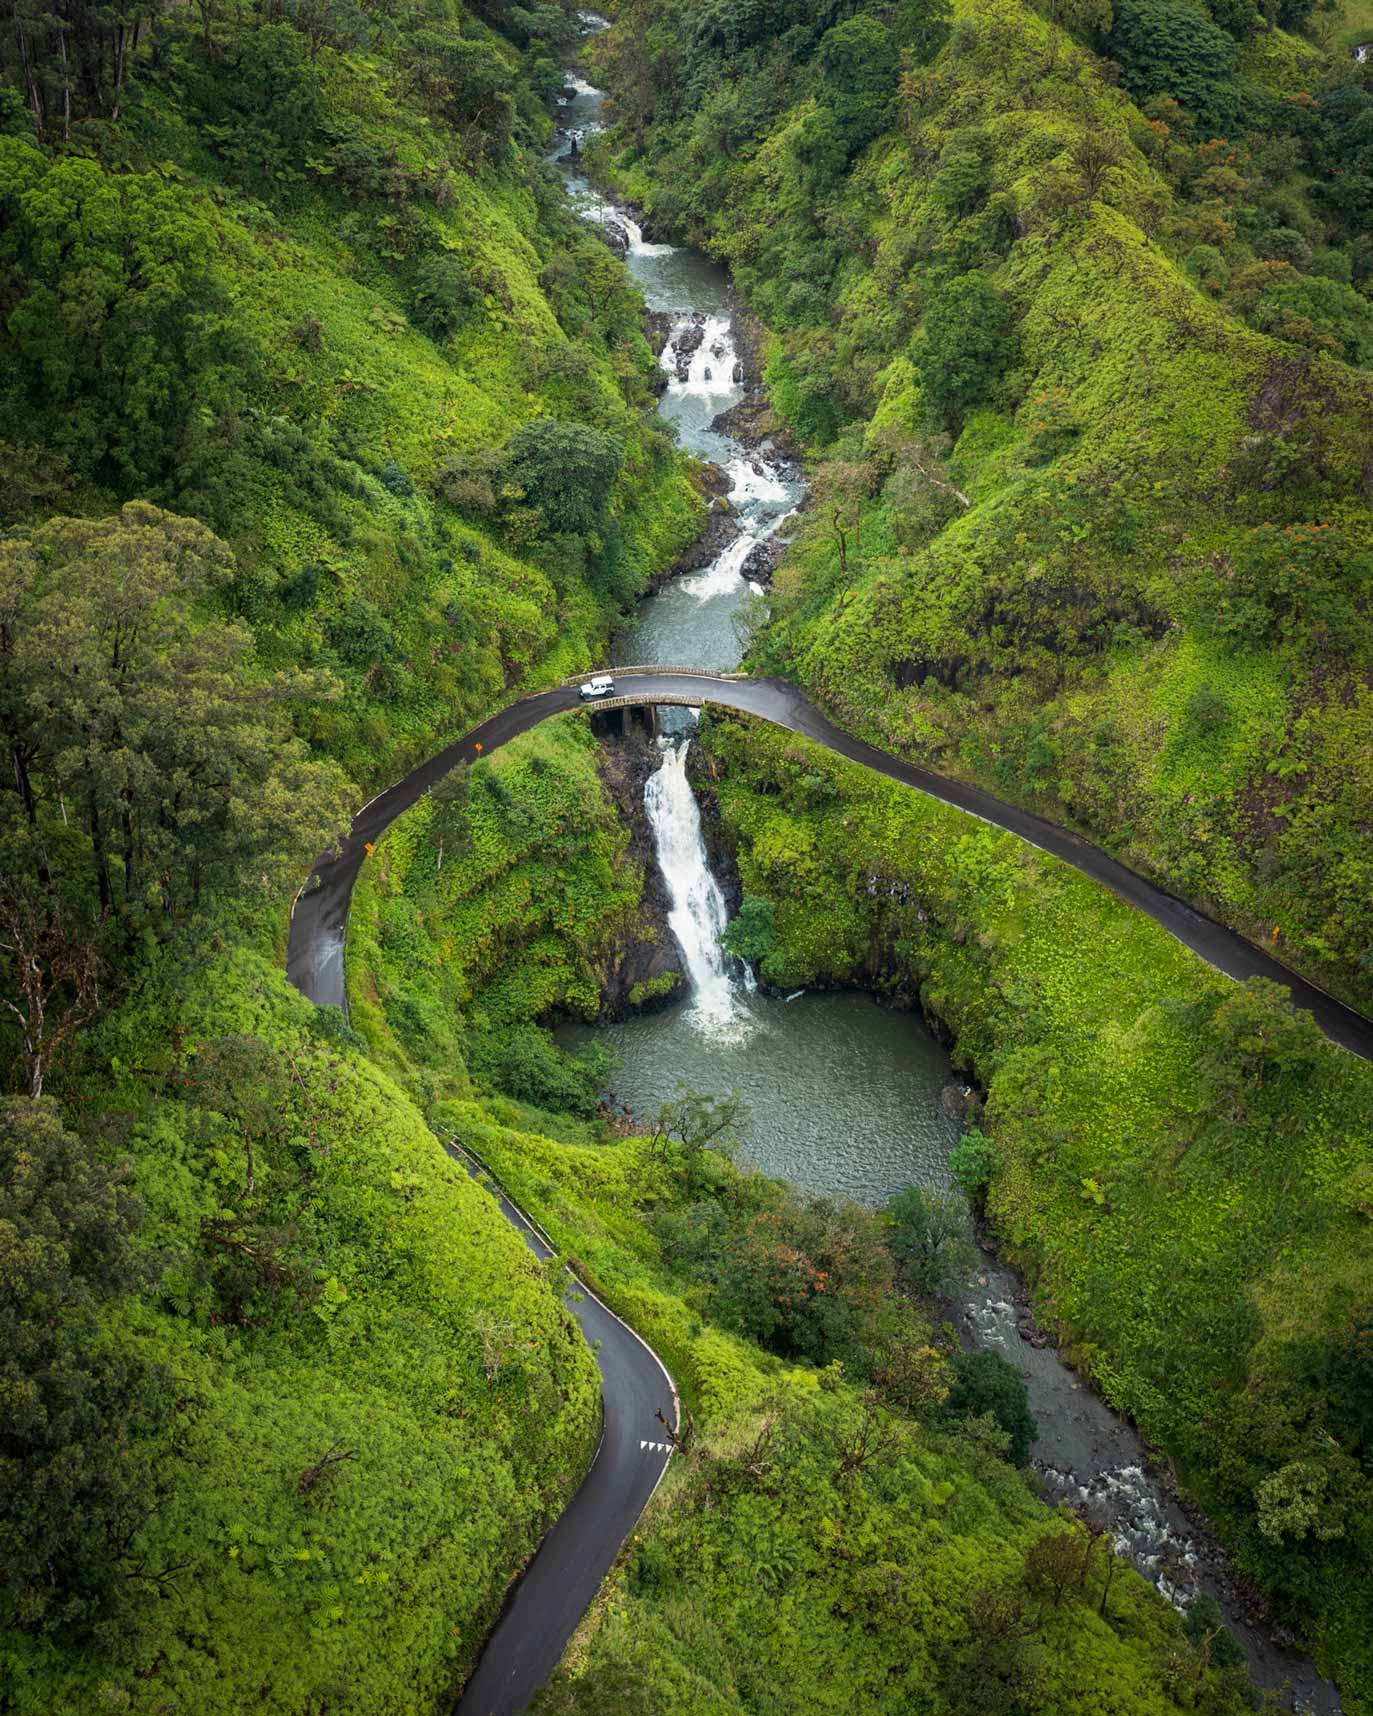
[(652, 667)]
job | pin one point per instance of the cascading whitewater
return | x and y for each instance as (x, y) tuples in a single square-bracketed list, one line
[(698, 916)]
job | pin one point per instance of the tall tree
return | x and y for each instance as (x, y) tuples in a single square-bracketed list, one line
[(112, 339), (147, 718)]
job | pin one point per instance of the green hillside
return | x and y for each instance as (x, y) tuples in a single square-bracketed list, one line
[(1069, 306), (1084, 386), (324, 429)]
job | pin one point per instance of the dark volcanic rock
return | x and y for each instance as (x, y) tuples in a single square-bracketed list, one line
[(722, 527), (719, 844), (762, 561), (686, 342), (613, 233), (646, 952)]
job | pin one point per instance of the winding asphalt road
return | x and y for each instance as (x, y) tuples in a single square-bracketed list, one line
[(546, 1604), (320, 918)]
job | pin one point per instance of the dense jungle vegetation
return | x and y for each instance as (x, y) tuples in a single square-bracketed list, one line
[(325, 428), (1070, 302), (846, 1520), (1069, 305)]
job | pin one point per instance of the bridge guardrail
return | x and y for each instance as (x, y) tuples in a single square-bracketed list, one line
[(652, 667), (680, 698)]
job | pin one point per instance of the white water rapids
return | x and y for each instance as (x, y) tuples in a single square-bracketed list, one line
[(818, 1072)]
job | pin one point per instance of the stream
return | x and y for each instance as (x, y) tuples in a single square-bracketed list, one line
[(845, 1095)]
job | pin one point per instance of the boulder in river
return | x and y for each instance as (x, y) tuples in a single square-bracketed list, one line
[(614, 234), (685, 343), (762, 560)]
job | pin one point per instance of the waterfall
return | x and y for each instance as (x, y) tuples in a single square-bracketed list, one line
[(697, 916)]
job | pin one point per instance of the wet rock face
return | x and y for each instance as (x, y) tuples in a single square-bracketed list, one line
[(645, 966), (613, 233), (685, 343), (762, 561), (957, 1099)]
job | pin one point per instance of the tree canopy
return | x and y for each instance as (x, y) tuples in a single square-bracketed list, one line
[(567, 471), (130, 707), (77, 1409)]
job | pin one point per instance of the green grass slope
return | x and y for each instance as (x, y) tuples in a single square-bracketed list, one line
[(379, 1402), (1083, 386), (284, 1403), (318, 331), (1188, 1184)]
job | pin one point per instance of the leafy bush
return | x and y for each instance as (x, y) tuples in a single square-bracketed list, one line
[(1303, 584), (444, 293), (116, 324), (263, 106), (78, 1414), (567, 471), (525, 1062), (966, 345), (972, 1160), (984, 1384), (928, 1235), (859, 63), (752, 934)]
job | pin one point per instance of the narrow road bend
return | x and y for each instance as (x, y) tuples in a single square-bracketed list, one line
[(546, 1603), (320, 918)]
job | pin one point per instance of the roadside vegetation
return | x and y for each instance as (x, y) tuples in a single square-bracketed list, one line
[(1069, 306), (1179, 1163), (846, 1519), (324, 427), (508, 895)]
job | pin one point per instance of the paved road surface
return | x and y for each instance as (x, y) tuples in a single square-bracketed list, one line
[(563, 1578), (319, 923), (544, 1607)]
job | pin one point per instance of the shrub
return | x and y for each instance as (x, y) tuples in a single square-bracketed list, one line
[(361, 635), (965, 346), (927, 1234), (1206, 711), (859, 66), (1204, 1624), (971, 1161), (525, 1062), (395, 479), (443, 295), (986, 1385), (753, 933), (1304, 584), (567, 471), (75, 1479), (1205, 264)]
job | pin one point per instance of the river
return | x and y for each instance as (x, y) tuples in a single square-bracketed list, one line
[(845, 1095)]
